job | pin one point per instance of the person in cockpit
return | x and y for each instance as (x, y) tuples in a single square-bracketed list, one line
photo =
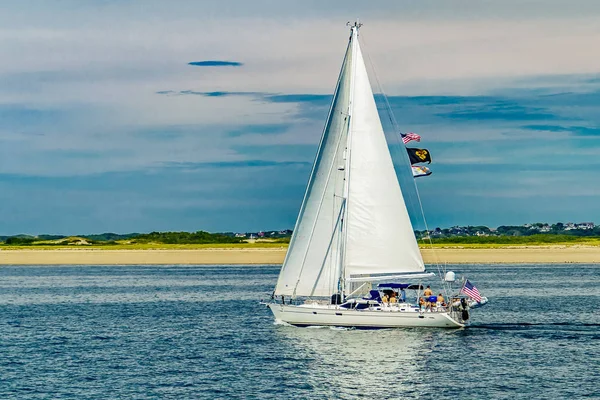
[(385, 299)]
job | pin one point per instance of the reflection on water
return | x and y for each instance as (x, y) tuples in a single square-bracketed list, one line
[(385, 363), (199, 332)]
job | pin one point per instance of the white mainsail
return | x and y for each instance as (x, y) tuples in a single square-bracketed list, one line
[(353, 179)]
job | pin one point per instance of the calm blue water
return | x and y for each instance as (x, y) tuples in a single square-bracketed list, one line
[(182, 332)]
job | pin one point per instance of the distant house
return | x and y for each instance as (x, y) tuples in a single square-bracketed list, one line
[(585, 225), (240, 235), (458, 230)]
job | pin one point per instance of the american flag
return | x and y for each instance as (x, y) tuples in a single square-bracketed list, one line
[(407, 137), (471, 291)]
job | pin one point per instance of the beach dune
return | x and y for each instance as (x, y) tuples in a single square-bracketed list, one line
[(533, 254)]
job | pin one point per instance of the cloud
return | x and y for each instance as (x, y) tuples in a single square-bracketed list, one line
[(235, 164), (216, 63), (300, 98), (574, 130), (499, 110), (266, 129), (211, 94), (168, 197)]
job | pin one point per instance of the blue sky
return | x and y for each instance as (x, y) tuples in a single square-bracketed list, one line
[(142, 115)]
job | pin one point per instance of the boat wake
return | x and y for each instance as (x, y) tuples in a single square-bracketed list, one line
[(333, 328), (280, 322), (341, 328), (528, 325), (552, 330)]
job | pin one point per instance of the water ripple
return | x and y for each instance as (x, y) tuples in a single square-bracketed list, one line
[(176, 332)]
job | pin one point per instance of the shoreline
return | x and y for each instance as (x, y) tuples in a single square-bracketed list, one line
[(250, 256)]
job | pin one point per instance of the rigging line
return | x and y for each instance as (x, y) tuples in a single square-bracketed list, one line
[(339, 216), (395, 128)]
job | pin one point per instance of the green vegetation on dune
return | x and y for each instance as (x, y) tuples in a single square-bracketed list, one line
[(474, 237), (19, 241), (153, 240), (199, 237), (154, 246), (109, 237), (538, 239)]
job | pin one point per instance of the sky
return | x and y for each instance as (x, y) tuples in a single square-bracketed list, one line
[(138, 116)]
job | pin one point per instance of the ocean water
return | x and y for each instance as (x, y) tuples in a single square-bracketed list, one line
[(199, 332)]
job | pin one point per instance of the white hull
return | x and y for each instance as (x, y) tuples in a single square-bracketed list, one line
[(320, 315)]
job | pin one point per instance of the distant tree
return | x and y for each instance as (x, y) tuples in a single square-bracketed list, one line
[(51, 237), (19, 240), (200, 237)]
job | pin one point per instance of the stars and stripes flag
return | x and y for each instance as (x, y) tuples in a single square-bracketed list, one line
[(407, 137), (471, 291)]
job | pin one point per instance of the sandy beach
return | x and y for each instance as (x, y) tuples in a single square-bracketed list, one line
[(533, 254)]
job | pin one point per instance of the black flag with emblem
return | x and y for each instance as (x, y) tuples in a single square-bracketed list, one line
[(418, 155)]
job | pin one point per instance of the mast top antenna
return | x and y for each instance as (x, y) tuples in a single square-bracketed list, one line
[(354, 25)]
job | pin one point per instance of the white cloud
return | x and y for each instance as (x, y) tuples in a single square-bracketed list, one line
[(109, 60)]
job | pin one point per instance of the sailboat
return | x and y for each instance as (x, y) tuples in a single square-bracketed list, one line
[(353, 228)]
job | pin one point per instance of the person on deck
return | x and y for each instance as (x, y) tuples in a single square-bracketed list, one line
[(455, 301), (393, 298), (385, 299), (441, 301), (427, 292)]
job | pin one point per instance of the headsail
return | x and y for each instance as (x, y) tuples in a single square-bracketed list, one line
[(312, 262), (380, 237)]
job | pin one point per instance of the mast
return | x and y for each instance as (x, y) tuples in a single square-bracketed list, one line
[(348, 154)]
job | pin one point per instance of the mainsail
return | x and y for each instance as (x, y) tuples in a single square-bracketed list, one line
[(353, 220), (312, 261)]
